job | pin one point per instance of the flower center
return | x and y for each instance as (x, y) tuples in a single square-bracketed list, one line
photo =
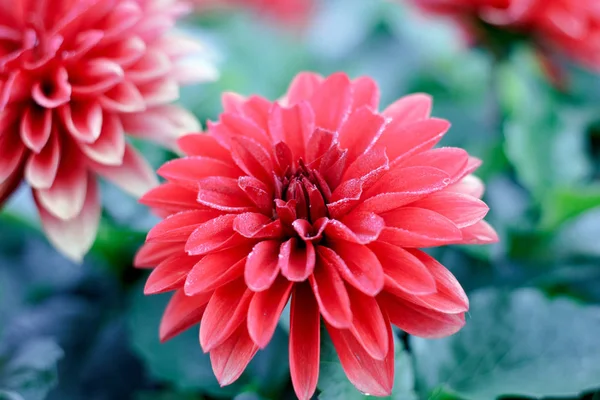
[(306, 192)]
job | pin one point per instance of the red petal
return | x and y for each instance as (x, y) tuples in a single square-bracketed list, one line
[(12, 151), (262, 265), (356, 264), (170, 274), (375, 377), (318, 143), (124, 97), (216, 270), (420, 321), (203, 145), (365, 226), (368, 325), (41, 169), (302, 87), (252, 158), (365, 93), (304, 342), (95, 77), (331, 294), (229, 360), (461, 209), (181, 313), (418, 227), (345, 197), (135, 176), (213, 235), (225, 312), (257, 192), (451, 160), (293, 126), (369, 167), (332, 101), (401, 186), (153, 253), (403, 270), (470, 185), (479, 233), (160, 91), (178, 227), (172, 197), (189, 170), (360, 131), (265, 310), (296, 260), (257, 226), (75, 236), (223, 194), (411, 108), (109, 147), (402, 140), (54, 92), (36, 125)]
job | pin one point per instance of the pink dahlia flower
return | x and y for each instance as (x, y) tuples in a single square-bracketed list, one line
[(74, 76), (321, 199), (569, 26)]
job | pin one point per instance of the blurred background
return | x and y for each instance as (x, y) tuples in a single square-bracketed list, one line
[(71, 332)]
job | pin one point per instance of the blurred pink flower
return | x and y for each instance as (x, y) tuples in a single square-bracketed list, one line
[(571, 27), (324, 200), (75, 75)]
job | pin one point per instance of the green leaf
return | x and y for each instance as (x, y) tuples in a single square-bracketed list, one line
[(334, 384), (518, 343), (180, 361), (31, 371), (563, 204), (166, 395)]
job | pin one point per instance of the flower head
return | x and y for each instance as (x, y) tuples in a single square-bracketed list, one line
[(319, 198), (74, 76), (569, 26)]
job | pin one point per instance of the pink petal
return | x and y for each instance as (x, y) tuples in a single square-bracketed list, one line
[(170, 274), (41, 169), (365, 93), (331, 294), (469, 185), (319, 142), (257, 192), (296, 260), (36, 125), (178, 227), (124, 97), (135, 176), (304, 342), (262, 265), (265, 310), (125, 52), (216, 234), (402, 140), (53, 92), (402, 186), (356, 264), (463, 210), (73, 237), (252, 158), (368, 168), (230, 358), (188, 170), (420, 321), (293, 126), (109, 147), (369, 375), (418, 227), (223, 194), (66, 197), (203, 145), (181, 313), (95, 77), (159, 92), (153, 64), (257, 226), (360, 131), (331, 101), (83, 120), (225, 312), (11, 153), (171, 197), (479, 233), (368, 324), (451, 160), (216, 269), (302, 87), (403, 270), (411, 108), (345, 197), (153, 253), (365, 226)]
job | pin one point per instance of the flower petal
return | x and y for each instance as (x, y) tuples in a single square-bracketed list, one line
[(181, 313), (365, 93), (215, 234), (41, 168), (304, 342), (331, 294), (257, 226), (411, 108), (402, 140), (360, 131), (109, 147), (368, 325), (265, 310), (296, 259), (216, 269), (262, 265), (463, 210), (36, 125), (302, 87), (332, 101), (230, 358), (170, 274)]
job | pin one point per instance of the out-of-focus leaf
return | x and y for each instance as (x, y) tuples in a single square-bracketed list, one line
[(270, 368), (6, 395), (167, 396), (31, 371), (518, 343), (334, 384), (564, 203), (180, 361)]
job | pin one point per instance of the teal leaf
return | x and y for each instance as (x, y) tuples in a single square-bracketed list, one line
[(31, 371), (518, 343)]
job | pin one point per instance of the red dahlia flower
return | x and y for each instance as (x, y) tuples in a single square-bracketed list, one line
[(74, 76), (319, 198), (570, 26)]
